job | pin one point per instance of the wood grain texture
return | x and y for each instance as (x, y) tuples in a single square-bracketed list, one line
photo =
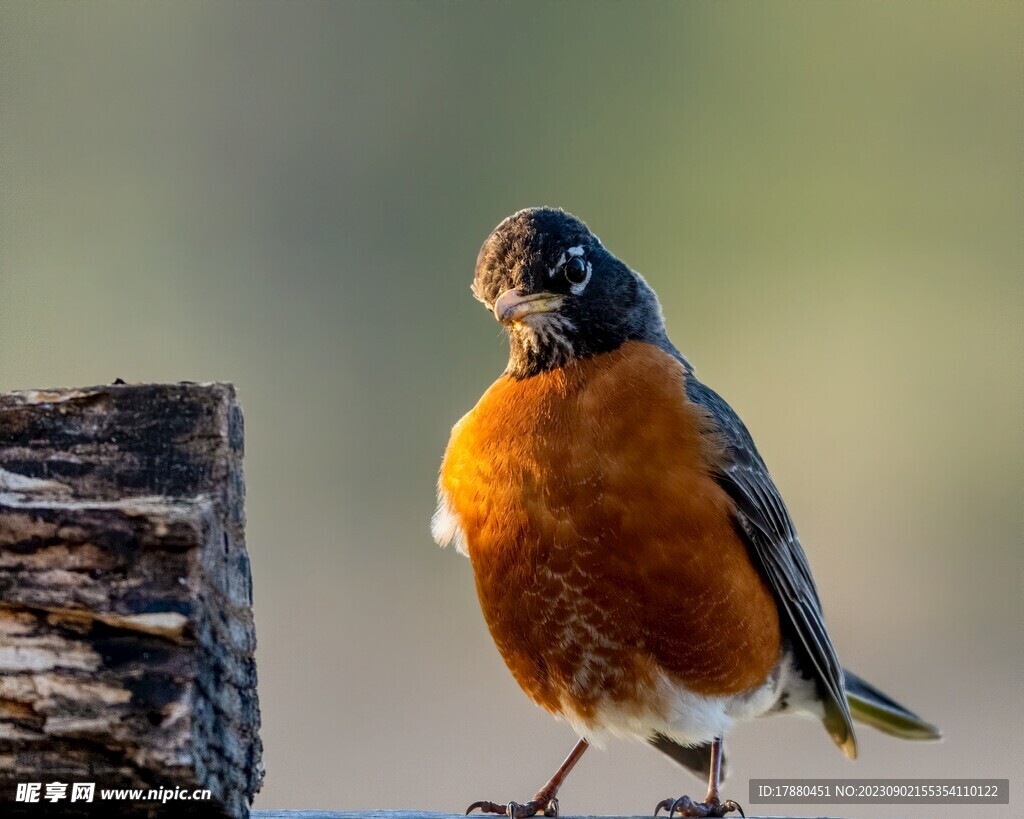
[(126, 632)]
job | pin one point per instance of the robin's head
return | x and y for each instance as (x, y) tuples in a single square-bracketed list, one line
[(562, 296)]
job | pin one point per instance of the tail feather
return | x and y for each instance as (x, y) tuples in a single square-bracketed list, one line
[(696, 759), (872, 707)]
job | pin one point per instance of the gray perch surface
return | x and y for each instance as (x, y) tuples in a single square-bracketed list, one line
[(413, 814), (126, 630)]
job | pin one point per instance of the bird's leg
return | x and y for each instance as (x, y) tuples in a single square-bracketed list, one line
[(712, 804), (545, 801)]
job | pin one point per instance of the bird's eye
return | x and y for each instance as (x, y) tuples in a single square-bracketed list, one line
[(575, 270)]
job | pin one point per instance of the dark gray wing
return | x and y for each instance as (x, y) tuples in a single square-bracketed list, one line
[(769, 532)]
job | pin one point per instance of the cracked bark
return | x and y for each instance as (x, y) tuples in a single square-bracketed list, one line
[(126, 632)]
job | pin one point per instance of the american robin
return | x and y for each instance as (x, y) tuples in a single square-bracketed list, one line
[(634, 561)]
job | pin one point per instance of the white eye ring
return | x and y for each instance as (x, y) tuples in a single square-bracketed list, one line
[(568, 256), (575, 272), (578, 288)]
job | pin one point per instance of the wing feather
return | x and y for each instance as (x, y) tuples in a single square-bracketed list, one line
[(771, 536)]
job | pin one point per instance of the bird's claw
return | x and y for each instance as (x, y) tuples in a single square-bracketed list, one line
[(488, 807), (516, 810), (711, 807)]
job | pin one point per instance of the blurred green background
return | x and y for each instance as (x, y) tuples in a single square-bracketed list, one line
[(827, 198)]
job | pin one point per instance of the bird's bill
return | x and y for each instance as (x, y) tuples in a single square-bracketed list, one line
[(513, 305)]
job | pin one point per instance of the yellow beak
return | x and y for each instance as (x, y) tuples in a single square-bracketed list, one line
[(512, 306)]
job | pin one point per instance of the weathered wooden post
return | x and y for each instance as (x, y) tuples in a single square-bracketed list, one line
[(126, 630)]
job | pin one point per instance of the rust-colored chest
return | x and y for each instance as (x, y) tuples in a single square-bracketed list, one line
[(605, 556)]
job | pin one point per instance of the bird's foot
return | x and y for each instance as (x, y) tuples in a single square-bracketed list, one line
[(711, 806), (538, 805)]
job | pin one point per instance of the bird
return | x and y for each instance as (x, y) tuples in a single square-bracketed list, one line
[(635, 563)]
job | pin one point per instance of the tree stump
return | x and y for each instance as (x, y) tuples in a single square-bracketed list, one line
[(126, 630)]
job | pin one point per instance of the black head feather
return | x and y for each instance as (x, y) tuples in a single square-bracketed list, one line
[(602, 302)]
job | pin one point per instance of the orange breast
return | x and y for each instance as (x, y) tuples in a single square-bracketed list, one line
[(604, 551)]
